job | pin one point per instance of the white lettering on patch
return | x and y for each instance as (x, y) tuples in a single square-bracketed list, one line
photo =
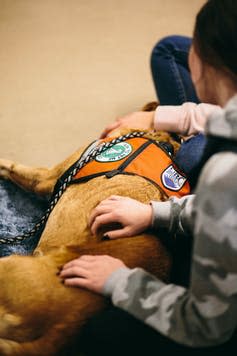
[(172, 179)]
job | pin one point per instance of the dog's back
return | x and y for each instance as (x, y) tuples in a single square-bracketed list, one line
[(39, 315)]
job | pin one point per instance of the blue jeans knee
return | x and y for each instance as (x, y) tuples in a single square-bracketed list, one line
[(170, 71)]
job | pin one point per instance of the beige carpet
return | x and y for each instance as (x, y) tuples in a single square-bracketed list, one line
[(69, 67)]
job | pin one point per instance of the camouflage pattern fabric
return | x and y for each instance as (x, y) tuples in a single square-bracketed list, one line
[(205, 314)]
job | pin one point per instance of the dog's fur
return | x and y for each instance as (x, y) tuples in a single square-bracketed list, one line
[(38, 314)]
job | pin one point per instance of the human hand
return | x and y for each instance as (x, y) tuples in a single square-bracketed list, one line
[(138, 120), (90, 272), (134, 216)]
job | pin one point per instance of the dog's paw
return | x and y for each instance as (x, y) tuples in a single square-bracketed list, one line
[(5, 168)]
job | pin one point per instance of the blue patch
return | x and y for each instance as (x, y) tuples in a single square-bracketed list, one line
[(172, 179)]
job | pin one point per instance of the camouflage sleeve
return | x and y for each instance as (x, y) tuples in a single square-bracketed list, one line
[(175, 215), (205, 314)]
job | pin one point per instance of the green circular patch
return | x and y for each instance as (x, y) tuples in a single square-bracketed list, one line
[(115, 153)]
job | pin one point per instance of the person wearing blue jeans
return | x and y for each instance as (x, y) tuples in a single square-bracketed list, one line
[(173, 84)]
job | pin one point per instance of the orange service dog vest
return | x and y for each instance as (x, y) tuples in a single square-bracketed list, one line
[(138, 156)]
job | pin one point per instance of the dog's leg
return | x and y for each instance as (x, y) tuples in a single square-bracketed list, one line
[(33, 179), (38, 180)]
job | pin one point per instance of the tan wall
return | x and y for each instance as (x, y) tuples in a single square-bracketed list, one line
[(69, 67)]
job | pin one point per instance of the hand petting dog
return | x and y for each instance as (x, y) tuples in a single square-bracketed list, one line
[(91, 272)]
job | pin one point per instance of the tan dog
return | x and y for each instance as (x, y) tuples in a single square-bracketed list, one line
[(38, 314)]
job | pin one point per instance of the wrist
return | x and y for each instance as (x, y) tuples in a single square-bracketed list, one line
[(149, 216), (114, 279), (151, 119), (161, 214)]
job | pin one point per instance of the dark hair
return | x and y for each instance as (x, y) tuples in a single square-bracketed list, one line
[(215, 35)]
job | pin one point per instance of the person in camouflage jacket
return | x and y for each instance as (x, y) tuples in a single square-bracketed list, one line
[(204, 314)]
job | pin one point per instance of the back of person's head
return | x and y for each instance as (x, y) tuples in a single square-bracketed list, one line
[(215, 36)]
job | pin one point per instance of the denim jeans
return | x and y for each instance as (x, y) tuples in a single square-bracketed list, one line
[(173, 84), (170, 71)]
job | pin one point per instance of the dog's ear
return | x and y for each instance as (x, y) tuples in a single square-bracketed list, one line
[(150, 106)]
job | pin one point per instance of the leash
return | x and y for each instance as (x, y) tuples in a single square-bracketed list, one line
[(83, 160)]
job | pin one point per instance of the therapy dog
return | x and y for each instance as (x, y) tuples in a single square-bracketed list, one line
[(38, 314)]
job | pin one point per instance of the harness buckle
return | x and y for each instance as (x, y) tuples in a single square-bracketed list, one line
[(112, 173)]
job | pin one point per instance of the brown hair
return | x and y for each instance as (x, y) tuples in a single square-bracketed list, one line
[(215, 35)]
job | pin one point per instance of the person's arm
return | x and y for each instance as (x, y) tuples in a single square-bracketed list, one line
[(206, 313), (135, 217), (187, 119)]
